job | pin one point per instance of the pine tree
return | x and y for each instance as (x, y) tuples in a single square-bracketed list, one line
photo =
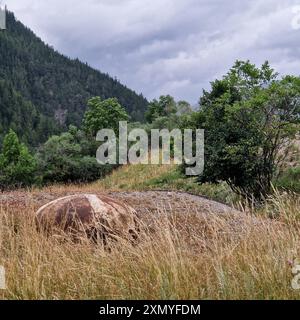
[(17, 165)]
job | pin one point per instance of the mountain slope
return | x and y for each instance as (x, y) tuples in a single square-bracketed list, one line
[(55, 85)]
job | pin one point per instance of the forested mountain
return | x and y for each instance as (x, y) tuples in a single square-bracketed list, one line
[(42, 91)]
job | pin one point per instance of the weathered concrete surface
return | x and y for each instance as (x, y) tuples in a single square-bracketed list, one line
[(97, 216)]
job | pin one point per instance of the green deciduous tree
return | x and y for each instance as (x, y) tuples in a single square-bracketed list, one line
[(163, 107), (104, 114), (248, 116), (183, 107)]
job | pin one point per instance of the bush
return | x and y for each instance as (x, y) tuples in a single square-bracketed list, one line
[(70, 157)]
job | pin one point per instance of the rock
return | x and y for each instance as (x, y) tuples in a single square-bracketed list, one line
[(97, 216)]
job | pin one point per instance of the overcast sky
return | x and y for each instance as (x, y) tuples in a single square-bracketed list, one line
[(168, 46)]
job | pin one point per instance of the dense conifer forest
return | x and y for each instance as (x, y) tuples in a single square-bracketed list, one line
[(42, 92)]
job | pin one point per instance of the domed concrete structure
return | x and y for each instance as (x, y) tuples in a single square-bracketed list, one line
[(97, 216)]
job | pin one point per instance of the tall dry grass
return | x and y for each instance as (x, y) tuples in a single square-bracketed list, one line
[(188, 256)]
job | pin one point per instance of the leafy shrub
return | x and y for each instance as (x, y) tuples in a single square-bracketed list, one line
[(70, 157)]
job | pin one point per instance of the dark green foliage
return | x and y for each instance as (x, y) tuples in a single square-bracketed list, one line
[(248, 116), (54, 87), (184, 108), (17, 165), (23, 117), (163, 107), (70, 157), (103, 115)]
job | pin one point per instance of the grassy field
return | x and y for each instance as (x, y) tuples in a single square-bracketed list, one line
[(154, 177), (238, 256)]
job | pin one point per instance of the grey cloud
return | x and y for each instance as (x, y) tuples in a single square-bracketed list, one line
[(167, 46)]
